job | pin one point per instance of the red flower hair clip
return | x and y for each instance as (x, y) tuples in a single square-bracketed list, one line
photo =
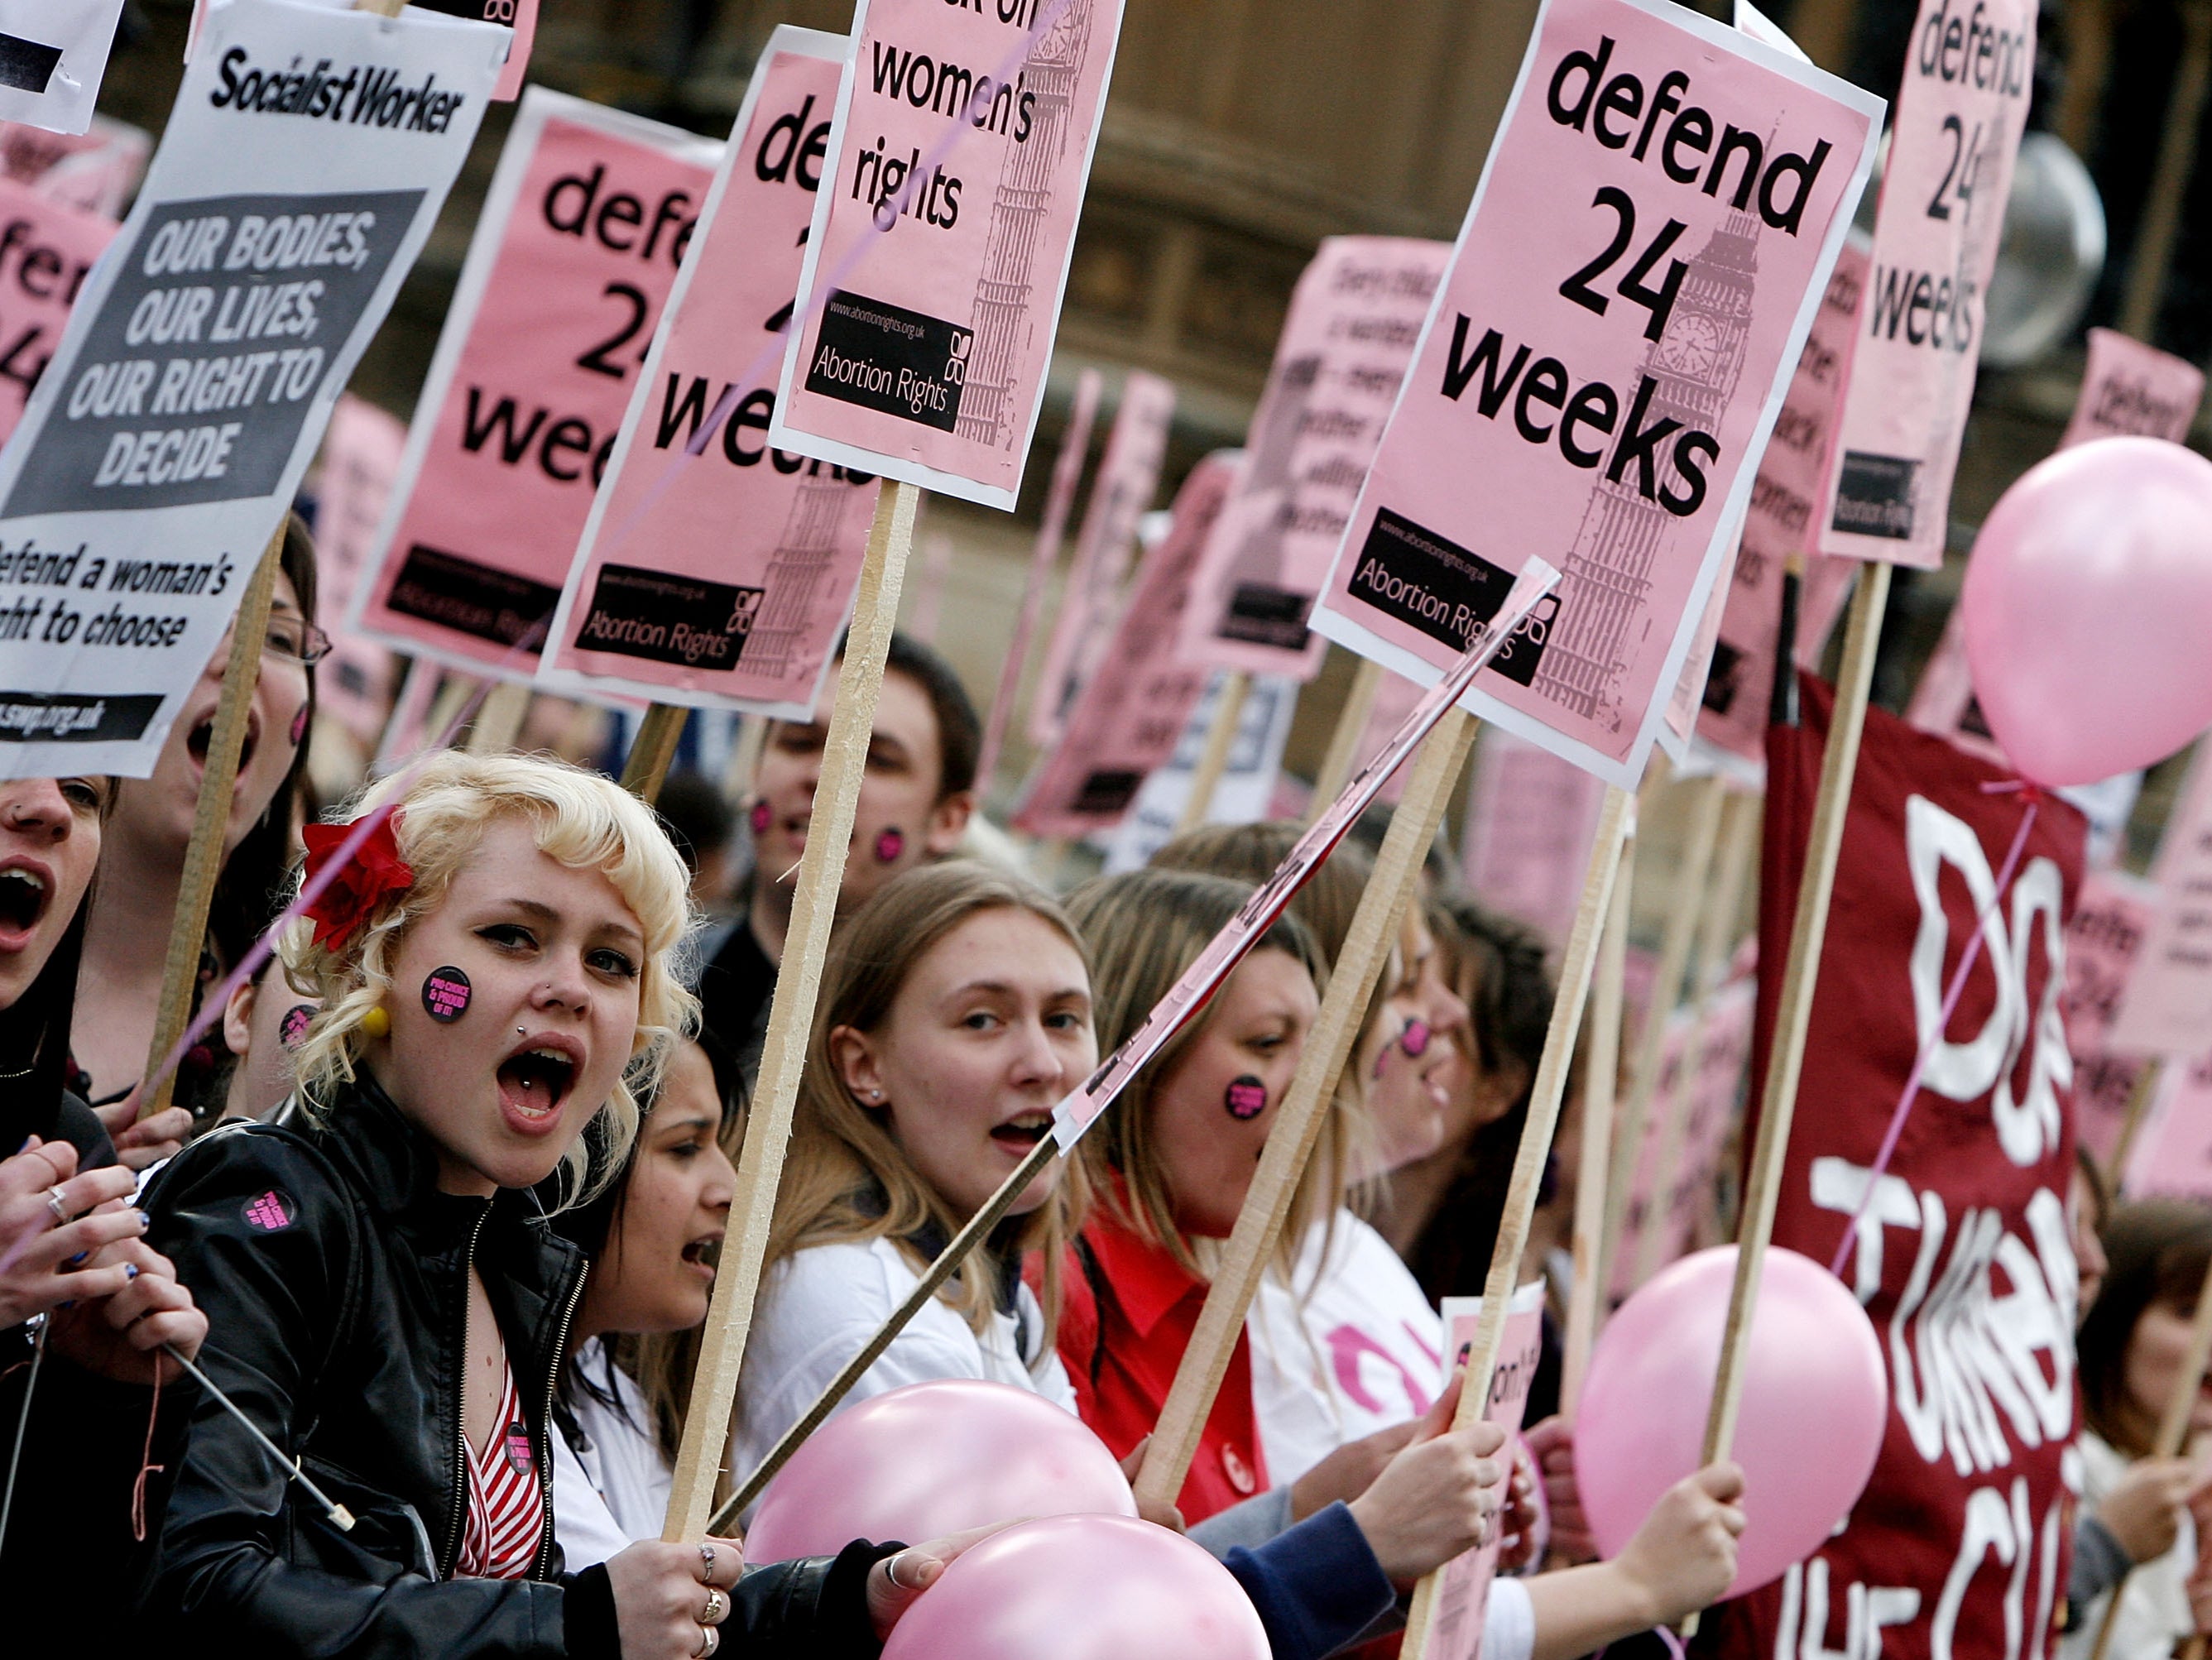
[(374, 870)]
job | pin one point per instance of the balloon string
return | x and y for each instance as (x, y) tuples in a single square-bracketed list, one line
[(1935, 1034)]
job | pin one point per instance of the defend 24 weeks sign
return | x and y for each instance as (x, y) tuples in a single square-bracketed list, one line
[(1630, 294)]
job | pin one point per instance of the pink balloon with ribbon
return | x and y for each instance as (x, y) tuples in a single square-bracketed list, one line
[(2087, 607), (1816, 1401), (931, 1459), (1082, 1588)]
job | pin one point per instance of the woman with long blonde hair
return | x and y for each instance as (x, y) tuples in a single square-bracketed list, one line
[(385, 1302)]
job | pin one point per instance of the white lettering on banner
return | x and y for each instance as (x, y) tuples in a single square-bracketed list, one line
[(2028, 1125), (1868, 1609), (1959, 1352)]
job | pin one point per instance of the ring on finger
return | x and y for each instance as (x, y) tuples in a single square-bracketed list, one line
[(706, 1565), (709, 1640), (57, 1206), (717, 1606)]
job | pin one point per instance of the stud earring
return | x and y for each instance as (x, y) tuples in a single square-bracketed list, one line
[(377, 1022)]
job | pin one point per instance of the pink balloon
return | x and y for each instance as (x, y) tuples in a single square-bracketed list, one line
[(930, 1459), (2086, 608), (1815, 1402), (1082, 1588)]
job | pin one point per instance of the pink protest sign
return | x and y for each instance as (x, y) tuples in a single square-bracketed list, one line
[(2132, 388), (2104, 937), (1353, 322), (1129, 715), (1783, 518), (1128, 476), (97, 170), (1634, 283), (1953, 135), (1689, 1118), (360, 460), (714, 570), (588, 215), (2167, 1007), (1463, 1591), (939, 256), (46, 251), (1943, 702), (1393, 699), (1530, 819), (2171, 1157)]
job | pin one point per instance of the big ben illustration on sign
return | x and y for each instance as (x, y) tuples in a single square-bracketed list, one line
[(1694, 365)]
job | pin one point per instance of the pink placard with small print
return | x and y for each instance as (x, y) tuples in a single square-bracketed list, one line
[(361, 460), (2131, 389), (46, 251), (97, 170), (2167, 1009), (1782, 519), (939, 251), (1955, 131), (1355, 318), (589, 213), (1129, 715), (1530, 819), (1128, 478), (2104, 937), (1463, 1588), (2172, 1156), (1633, 287), (722, 578)]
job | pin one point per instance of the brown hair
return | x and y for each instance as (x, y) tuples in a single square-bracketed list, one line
[(1145, 928), (2157, 1251), (846, 1178)]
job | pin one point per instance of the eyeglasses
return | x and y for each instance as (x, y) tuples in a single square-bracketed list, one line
[(289, 639)]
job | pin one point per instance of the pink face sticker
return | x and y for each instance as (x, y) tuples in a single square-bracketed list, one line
[(291, 1029), (299, 726), (760, 818), (890, 845), (446, 994), (271, 1212), (1413, 1039), (1246, 1098)]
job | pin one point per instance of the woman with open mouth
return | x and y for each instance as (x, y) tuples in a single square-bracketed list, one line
[(142, 866), (76, 1405), (388, 1305)]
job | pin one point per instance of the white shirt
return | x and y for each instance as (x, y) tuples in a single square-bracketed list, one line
[(821, 1306), (611, 1489), (1344, 1349), (2154, 1613)]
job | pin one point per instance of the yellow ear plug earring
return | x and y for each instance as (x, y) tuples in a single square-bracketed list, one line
[(377, 1022)]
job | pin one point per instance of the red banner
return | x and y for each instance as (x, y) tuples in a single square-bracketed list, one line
[(1959, 1549)]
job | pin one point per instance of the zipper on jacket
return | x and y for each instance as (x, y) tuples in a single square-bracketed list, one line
[(453, 1551), (545, 1428)]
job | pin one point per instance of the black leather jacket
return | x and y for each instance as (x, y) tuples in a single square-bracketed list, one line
[(334, 1275)]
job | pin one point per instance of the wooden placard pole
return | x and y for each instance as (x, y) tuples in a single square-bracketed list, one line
[(1298, 1121), (204, 854), (1708, 965), (1794, 1010), (2139, 1100), (1551, 1088), (651, 749), (1344, 737), (1587, 1295), (1213, 760), (2172, 1430), (2153, 258), (1684, 905), (499, 722), (791, 1016), (744, 757)]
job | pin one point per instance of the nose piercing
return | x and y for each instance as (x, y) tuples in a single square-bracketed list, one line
[(522, 1031)]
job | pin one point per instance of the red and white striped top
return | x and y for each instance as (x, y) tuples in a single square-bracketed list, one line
[(505, 1506)]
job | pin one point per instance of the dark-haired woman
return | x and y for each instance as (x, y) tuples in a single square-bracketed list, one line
[(71, 1246), (142, 866), (2131, 1350)]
